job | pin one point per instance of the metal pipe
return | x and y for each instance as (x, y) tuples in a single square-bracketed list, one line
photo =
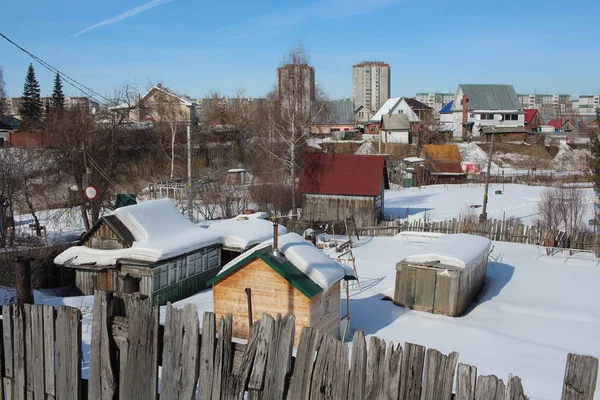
[(249, 299), (275, 236), (23, 280)]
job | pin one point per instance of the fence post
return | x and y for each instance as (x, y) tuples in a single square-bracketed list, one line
[(581, 374), (23, 280)]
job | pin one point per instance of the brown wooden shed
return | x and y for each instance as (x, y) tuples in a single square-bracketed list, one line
[(296, 279), (445, 277)]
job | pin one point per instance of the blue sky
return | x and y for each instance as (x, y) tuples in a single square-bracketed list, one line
[(198, 46)]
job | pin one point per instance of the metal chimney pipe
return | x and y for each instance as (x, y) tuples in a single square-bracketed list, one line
[(275, 236)]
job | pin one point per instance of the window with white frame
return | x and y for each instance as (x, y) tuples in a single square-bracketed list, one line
[(182, 266), (172, 273), (213, 258)]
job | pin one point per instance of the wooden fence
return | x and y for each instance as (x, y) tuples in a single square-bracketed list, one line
[(494, 229), (41, 359)]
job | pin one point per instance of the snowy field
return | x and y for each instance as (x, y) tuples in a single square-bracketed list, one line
[(442, 202)]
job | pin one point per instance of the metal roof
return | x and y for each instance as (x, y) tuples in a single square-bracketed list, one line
[(447, 109), (444, 158), (395, 122), (343, 174), (491, 97), (282, 266), (340, 112), (529, 114), (503, 129), (416, 105)]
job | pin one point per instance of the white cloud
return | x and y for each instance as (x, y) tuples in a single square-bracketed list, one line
[(125, 15)]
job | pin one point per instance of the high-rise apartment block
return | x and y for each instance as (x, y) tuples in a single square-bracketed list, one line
[(435, 100), (587, 104), (371, 81), (296, 86), (547, 104)]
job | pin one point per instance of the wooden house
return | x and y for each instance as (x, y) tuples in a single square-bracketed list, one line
[(505, 133), (446, 277), (337, 186), (284, 276), (149, 248), (533, 119), (443, 163), (561, 124)]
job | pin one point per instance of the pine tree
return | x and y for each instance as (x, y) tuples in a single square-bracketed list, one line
[(58, 98), (31, 105)]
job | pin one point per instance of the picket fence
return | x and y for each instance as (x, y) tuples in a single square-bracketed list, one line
[(493, 229), (41, 359)]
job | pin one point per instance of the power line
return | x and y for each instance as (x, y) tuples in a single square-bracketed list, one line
[(77, 85)]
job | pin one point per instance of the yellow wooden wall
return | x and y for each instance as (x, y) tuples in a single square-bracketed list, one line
[(105, 238)]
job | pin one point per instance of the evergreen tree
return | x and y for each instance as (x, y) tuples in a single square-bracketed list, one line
[(31, 105), (58, 98)]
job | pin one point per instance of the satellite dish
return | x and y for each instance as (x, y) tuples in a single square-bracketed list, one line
[(500, 117), (91, 192)]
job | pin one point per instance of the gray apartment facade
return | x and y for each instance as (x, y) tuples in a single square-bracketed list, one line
[(371, 82)]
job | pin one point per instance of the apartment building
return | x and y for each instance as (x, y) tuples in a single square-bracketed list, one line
[(13, 104), (587, 104), (547, 104), (371, 84), (435, 100)]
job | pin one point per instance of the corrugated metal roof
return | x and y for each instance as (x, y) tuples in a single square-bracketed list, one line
[(343, 174), (339, 112), (529, 114), (444, 158), (416, 105), (282, 266), (395, 122), (491, 97)]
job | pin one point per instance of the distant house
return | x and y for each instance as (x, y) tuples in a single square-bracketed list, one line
[(149, 248), (562, 124), (289, 277), (337, 186), (446, 117), (476, 106), (412, 108), (362, 114), (504, 133), (395, 128), (442, 163), (533, 119), (336, 116)]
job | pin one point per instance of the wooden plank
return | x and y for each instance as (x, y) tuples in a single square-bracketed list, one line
[(68, 354), (340, 371), (48, 320), (265, 335), (581, 374), (448, 376), (412, 371), (102, 381), (358, 367), (375, 359), (180, 353), (27, 308), (489, 387), (279, 360), (391, 374), (224, 336), (434, 365), (139, 353), (303, 367), (236, 384), (37, 357), (7, 328), (466, 381), (207, 356), (19, 382), (514, 389)]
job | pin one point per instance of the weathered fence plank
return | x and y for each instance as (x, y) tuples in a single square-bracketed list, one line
[(303, 368), (19, 383), (489, 387), (412, 371), (514, 388), (279, 360), (207, 356), (7, 328), (466, 381), (392, 368), (257, 376), (222, 362), (358, 368), (581, 374), (68, 354), (237, 384), (49, 378), (37, 350), (375, 359), (102, 382), (180, 353)]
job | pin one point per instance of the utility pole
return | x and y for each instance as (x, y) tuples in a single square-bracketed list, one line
[(189, 168), (483, 216)]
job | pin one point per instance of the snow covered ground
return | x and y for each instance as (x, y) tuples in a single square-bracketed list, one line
[(442, 202)]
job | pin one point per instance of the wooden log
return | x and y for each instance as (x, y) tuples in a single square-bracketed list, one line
[(581, 374), (412, 371), (19, 381), (257, 376), (180, 353), (466, 381), (489, 387), (207, 356), (68, 354), (391, 374), (139, 355), (358, 367), (102, 382), (237, 383), (279, 360), (300, 381), (514, 389), (37, 349), (375, 359), (7, 329), (49, 361)]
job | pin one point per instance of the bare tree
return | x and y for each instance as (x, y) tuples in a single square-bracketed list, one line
[(562, 209), (430, 130), (288, 114)]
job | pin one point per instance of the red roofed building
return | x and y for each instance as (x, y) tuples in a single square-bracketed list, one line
[(533, 119), (562, 124), (337, 186)]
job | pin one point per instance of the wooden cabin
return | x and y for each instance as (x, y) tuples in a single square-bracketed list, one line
[(446, 277), (150, 248), (297, 279)]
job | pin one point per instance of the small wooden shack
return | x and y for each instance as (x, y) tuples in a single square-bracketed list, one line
[(149, 248), (445, 277), (290, 276), (337, 186)]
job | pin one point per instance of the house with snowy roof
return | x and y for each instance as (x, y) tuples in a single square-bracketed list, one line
[(414, 110), (288, 276), (337, 186), (150, 248)]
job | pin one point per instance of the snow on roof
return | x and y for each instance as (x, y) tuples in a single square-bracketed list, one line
[(413, 159), (236, 170), (312, 262), (244, 231), (459, 251), (386, 108), (159, 229)]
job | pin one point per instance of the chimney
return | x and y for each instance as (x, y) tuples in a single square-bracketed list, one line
[(464, 102), (275, 238)]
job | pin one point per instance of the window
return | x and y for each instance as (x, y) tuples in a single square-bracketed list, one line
[(324, 304), (182, 269), (172, 273), (507, 117), (164, 276), (373, 128), (514, 117), (488, 117), (213, 259), (156, 280)]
